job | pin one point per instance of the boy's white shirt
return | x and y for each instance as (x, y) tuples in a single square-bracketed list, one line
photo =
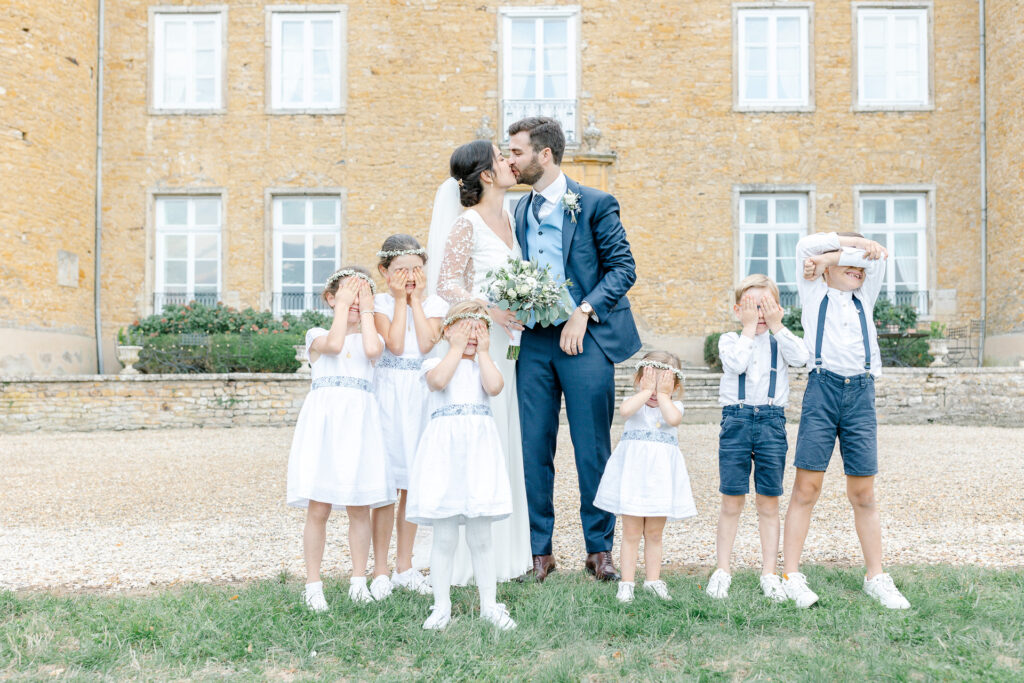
[(842, 349), (741, 354)]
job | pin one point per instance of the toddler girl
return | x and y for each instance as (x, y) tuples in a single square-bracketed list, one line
[(337, 455), (459, 475), (409, 321), (645, 479)]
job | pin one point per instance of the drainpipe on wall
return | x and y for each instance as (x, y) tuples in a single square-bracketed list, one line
[(984, 187), (98, 210)]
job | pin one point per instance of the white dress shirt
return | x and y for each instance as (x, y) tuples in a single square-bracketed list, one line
[(842, 349), (741, 354), (552, 196)]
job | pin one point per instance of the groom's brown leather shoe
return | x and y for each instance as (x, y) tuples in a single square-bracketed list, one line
[(542, 566), (600, 565)]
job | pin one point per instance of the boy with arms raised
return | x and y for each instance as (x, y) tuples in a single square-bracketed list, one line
[(843, 274)]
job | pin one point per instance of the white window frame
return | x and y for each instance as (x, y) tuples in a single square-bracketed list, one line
[(773, 10), (572, 15), (924, 228), (157, 17), (862, 10), (275, 14), (804, 198), (312, 288), (189, 230)]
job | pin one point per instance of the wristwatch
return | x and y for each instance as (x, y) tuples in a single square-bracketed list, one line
[(588, 310)]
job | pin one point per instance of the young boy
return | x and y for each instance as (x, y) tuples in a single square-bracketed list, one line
[(753, 395), (842, 276)]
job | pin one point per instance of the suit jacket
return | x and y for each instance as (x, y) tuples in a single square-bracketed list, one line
[(599, 264)]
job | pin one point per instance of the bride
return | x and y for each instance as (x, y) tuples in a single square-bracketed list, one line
[(471, 233)]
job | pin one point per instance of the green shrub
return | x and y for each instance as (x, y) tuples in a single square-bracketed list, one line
[(711, 358), (793, 323), (170, 353), (195, 318)]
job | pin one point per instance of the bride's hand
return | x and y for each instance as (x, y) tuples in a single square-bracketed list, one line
[(506, 319)]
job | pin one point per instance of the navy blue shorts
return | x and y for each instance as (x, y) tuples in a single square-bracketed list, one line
[(838, 407), (752, 435)]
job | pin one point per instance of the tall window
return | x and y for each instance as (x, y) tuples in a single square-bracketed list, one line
[(307, 249), (892, 57), (898, 222), (306, 60), (187, 60), (772, 57), (539, 62), (770, 227), (188, 260)]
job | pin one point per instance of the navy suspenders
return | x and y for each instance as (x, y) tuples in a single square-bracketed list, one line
[(771, 379), (821, 333)]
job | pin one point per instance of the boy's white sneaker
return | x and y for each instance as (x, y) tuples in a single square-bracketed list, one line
[(412, 580), (658, 588), (882, 589), (795, 586), (438, 619), (499, 616), (771, 586), (314, 598), (625, 591), (357, 590), (718, 584), (380, 587)]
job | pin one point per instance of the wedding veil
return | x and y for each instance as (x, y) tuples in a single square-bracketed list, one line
[(447, 208)]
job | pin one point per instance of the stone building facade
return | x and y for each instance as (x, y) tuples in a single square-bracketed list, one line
[(249, 146)]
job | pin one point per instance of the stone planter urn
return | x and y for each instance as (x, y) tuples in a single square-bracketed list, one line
[(302, 356), (939, 348), (129, 356)]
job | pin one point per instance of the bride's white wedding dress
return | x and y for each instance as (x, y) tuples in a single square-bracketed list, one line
[(470, 250)]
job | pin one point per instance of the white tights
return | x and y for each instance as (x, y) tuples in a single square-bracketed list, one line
[(481, 550)]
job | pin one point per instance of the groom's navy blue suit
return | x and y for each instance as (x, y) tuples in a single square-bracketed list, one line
[(600, 266)]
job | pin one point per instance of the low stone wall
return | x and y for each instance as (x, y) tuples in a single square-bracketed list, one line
[(974, 396)]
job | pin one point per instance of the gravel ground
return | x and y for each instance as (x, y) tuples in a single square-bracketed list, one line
[(115, 511)]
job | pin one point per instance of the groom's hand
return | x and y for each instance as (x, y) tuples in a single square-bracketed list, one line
[(573, 332)]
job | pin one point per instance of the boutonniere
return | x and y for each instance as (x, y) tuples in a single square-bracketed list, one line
[(571, 202)]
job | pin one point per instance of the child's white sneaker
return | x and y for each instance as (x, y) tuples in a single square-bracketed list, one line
[(658, 588), (771, 586), (357, 590), (718, 584), (882, 589), (625, 592), (380, 587), (412, 580), (438, 619), (314, 598), (499, 616), (795, 586)]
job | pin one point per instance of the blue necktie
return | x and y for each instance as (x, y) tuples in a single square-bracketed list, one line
[(538, 201)]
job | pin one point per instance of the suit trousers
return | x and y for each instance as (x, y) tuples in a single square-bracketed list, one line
[(543, 374)]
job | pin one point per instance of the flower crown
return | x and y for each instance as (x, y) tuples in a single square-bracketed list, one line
[(451, 320), (402, 252), (348, 272), (658, 365)]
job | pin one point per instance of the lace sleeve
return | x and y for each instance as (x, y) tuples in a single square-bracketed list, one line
[(456, 278)]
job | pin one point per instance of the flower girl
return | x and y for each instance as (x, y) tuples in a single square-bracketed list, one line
[(337, 455), (410, 322), (459, 475), (645, 479)]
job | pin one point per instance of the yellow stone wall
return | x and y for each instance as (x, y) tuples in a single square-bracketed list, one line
[(47, 177), (1006, 180), (657, 77)]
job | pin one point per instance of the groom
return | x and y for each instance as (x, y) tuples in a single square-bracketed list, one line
[(577, 232)]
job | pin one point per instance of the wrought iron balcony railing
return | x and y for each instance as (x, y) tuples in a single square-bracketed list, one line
[(917, 299), (297, 302), (161, 299), (563, 111)]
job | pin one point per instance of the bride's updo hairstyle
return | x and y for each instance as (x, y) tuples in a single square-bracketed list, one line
[(467, 163)]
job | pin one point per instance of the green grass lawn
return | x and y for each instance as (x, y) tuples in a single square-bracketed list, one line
[(965, 624)]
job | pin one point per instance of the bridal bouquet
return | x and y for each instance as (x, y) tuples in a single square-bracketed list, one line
[(528, 291)]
